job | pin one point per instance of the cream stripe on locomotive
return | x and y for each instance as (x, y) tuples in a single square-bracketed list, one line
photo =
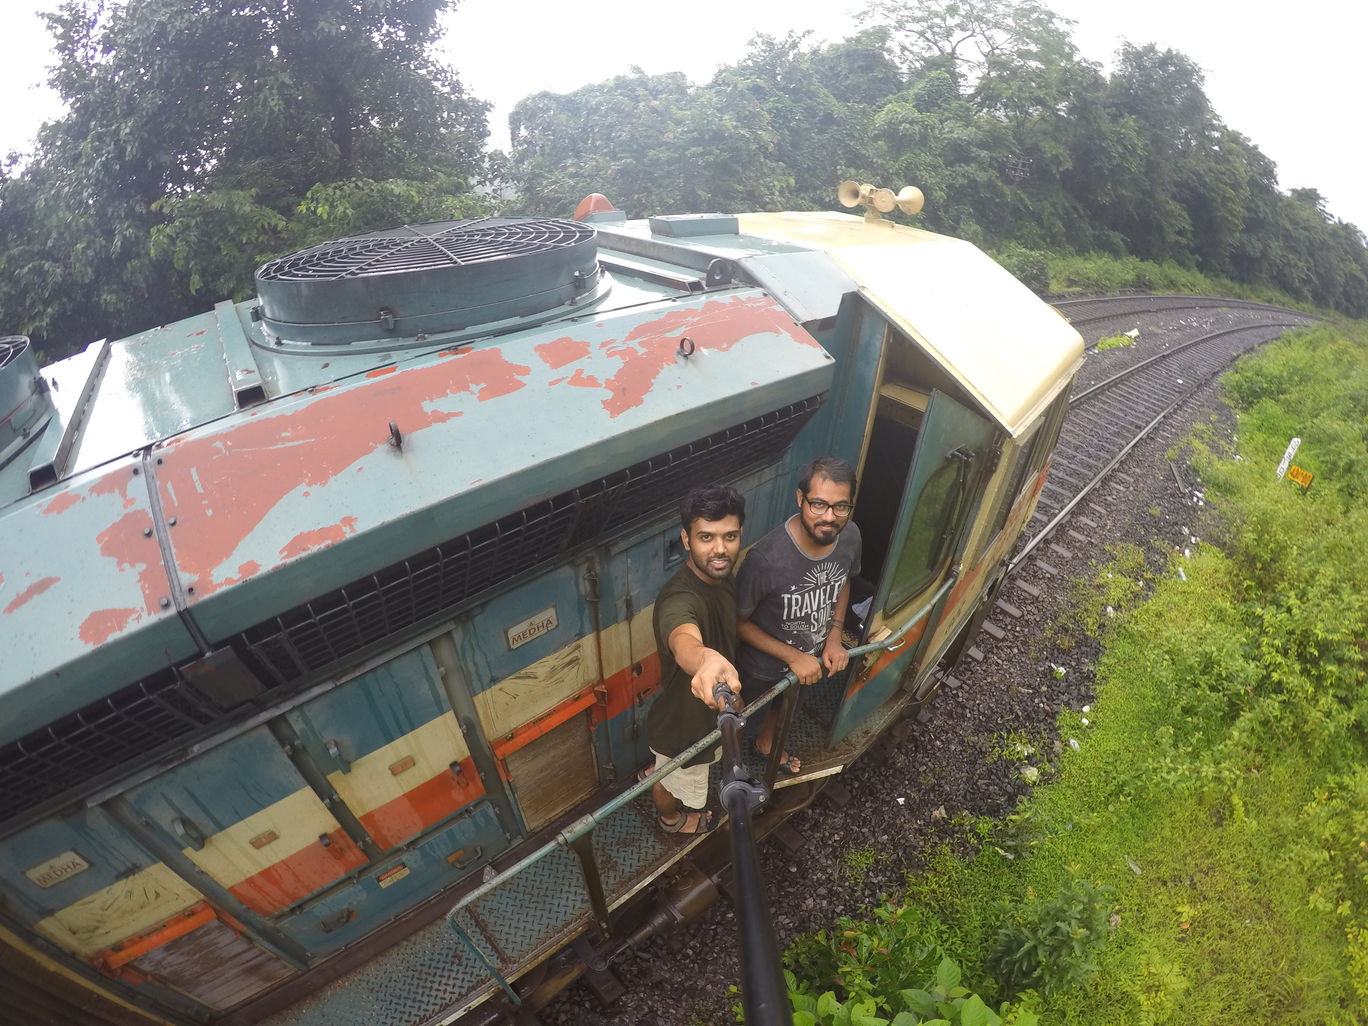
[(289, 826), (123, 909), (385, 774)]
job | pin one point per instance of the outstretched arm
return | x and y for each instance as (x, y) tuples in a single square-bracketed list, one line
[(707, 665)]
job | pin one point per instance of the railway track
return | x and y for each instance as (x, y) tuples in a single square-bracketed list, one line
[(1109, 417), (1097, 309)]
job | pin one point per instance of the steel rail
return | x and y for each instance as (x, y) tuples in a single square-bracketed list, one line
[(1063, 513)]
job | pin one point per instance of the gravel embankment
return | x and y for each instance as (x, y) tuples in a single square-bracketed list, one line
[(909, 798)]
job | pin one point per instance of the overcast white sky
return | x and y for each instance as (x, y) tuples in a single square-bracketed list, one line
[(1287, 76)]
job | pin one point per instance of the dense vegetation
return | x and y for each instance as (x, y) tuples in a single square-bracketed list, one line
[(203, 136), (1200, 856)]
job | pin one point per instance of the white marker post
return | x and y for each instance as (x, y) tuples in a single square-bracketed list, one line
[(1287, 457)]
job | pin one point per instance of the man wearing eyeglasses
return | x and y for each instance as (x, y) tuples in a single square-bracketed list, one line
[(793, 589)]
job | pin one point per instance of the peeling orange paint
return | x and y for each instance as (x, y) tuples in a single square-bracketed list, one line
[(61, 504), (223, 485), (129, 543), (317, 539), (562, 351), (101, 625), (716, 325), (31, 592), (380, 372)]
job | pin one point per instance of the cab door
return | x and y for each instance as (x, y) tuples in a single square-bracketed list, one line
[(914, 531)]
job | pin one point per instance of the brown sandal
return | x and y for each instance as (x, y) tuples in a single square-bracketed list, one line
[(788, 762), (690, 821)]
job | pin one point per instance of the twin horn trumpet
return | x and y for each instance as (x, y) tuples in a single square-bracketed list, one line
[(879, 201)]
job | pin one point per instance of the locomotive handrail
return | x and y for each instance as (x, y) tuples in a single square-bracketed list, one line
[(586, 823)]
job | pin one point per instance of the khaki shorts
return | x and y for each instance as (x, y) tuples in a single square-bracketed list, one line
[(688, 783)]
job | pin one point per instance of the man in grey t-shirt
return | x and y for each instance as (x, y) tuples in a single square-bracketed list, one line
[(793, 589)]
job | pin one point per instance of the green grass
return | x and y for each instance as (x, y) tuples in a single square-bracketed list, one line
[(1219, 795)]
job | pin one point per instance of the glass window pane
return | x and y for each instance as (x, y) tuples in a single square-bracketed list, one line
[(926, 533)]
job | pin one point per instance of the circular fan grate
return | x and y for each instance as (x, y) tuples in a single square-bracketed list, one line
[(426, 247), (417, 280), (11, 348)]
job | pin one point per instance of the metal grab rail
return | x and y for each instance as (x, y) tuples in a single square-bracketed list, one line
[(581, 827)]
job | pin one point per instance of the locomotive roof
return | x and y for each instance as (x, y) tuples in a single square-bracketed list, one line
[(168, 480), (1009, 351)]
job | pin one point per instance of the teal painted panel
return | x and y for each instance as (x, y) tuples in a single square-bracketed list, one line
[(81, 592), (488, 429), (946, 427), (381, 892)]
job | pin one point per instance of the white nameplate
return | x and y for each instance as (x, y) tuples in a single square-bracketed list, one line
[(533, 627)]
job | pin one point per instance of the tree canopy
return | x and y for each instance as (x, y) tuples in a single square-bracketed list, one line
[(203, 136), (195, 133)]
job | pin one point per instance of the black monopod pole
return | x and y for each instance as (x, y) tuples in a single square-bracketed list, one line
[(764, 997)]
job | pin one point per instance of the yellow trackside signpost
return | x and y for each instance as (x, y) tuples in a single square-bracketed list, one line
[(1299, 476)]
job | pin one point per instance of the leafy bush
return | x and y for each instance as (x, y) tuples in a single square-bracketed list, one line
[(1031, 267), (1051, 946), (942, 1001)]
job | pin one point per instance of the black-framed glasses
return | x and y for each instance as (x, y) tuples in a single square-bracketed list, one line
[(820, 506)]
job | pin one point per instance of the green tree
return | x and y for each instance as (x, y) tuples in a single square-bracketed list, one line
[(226, 113)]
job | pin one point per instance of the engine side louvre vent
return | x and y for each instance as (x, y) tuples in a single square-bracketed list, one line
[(336, 626), (152, 717), (427, 278)]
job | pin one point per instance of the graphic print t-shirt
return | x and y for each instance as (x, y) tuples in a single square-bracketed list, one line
[(791, 596)]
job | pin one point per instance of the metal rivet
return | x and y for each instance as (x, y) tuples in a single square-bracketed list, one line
[(135, 471), (147, 532), (190, 590), (171, 522), (159, 461), (165, 602)]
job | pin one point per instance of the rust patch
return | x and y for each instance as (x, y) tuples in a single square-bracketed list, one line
[(101, 625), (61, 504), (307, 541), (128, 541), (223, 485), (581, 380), (562, 351), (31, 592), (715, 325)]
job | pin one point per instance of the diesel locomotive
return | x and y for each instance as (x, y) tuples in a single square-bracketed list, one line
[(327, 614)]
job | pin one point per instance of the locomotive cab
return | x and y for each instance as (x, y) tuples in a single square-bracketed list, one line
[(331, 610)]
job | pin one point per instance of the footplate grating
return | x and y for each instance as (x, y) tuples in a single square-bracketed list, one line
[(416, 981)]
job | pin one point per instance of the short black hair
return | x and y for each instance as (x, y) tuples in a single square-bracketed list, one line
[(833, 468), (711, 502)]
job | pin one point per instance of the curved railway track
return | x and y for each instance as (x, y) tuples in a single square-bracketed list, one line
[(902, 800), (1095, 309), (1108, 418)]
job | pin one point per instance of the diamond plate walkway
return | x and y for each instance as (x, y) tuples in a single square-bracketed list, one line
[(433, 973)]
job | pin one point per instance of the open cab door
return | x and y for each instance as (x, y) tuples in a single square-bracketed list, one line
[(920, 476)]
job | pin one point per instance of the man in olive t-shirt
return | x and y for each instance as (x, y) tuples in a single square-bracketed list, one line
[(695, 630)]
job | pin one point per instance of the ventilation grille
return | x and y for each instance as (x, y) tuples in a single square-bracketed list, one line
[(131, 724), (424, 247), (342, 623), (143, 720), (426, 279), (11, 348)]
